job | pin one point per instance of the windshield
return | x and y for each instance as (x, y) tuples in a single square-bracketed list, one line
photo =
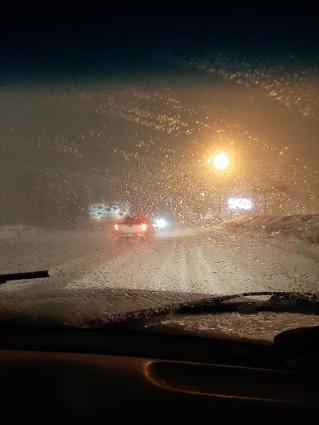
[(208, 130)]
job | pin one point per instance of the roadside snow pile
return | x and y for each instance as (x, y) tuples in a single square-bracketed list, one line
[(304, 227)]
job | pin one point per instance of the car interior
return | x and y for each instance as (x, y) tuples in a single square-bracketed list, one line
[(65, 375)]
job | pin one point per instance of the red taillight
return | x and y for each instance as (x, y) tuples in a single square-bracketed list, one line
[(116, 227), (144, 227)]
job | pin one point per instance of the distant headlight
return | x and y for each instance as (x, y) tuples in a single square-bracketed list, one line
[(160, 223)]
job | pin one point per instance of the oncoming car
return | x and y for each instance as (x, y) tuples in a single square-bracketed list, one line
[(134, 228)]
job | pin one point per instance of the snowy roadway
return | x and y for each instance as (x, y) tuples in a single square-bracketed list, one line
[(202, 262), (92, 277)]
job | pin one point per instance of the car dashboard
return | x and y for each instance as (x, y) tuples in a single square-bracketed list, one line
[(61, 375)]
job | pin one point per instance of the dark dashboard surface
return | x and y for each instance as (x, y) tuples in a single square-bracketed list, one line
[(80, 376)]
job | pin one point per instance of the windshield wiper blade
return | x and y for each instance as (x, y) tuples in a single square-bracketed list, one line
[(278, 301), (24, 275)]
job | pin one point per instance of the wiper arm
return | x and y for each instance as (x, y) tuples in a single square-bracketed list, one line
[(25, 275), (278, 301)]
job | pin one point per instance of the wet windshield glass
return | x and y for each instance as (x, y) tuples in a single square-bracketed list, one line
[(206, 138), (133, 220)]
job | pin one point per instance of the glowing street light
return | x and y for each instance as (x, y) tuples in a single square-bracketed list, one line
[(220, 161)]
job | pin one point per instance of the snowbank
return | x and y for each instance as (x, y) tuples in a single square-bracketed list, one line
[(304, 227)]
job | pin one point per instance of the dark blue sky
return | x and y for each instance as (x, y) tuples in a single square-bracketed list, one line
[(57, 42)]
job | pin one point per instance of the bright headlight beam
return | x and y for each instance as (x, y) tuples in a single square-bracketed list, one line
[(160, 223)]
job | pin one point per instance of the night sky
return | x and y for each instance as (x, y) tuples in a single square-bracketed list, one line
[(105, 105)]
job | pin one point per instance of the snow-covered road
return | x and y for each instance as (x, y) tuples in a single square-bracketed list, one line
[(203, 262), (91, 275)]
